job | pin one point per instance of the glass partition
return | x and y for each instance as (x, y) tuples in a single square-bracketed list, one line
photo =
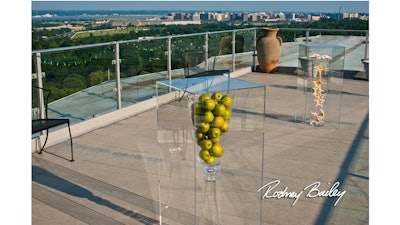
[(83, 78), (188, 55), (72, 75), (244, 49), (211, 150), (220, 51), (319, 84), (142, 64)]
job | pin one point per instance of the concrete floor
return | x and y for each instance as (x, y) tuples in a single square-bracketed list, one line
[(114, 179)]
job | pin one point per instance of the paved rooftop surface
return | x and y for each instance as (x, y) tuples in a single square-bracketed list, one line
[(114, 178)]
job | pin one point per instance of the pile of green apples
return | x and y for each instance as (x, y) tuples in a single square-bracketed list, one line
[(210, 115)]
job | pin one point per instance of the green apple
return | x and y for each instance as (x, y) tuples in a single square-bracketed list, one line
[(214, 132), (204, 96), (219, 110), (218, 121), (217, 95), (206, 144), (204, 155), (216, 101), (208, 104), (224, 127), (226, 100), (198, 108), (217, 150), (203, 127), (215, 140), (227, 115), (210, 160), (200, 135), (207, 117)]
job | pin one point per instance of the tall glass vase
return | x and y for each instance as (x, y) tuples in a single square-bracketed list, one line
[(210, 213)]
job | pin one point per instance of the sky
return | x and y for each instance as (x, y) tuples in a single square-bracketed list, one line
[(271, 6)]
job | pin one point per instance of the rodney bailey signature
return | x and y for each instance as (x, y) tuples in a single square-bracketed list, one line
[(312, 191)]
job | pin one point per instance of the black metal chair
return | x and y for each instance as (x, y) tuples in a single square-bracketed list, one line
[(44, 124), (191, 66)]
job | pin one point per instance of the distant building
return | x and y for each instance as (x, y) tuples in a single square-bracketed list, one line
[(184, 22), (123, 23), (170, 17), (253, 18), (206, 16), (179, 16), (282, 16), (315, 18), (245, 17), (350, 15), (219, 16), (196, 16), (139, 23), (363, 17)]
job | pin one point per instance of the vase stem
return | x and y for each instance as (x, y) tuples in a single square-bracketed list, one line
[(210, 172), (210, 214)]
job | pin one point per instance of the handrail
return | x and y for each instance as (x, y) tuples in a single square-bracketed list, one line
[(317, 29), (181, 35), (169, 51)]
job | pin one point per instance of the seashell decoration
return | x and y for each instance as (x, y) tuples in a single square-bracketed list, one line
[(317, 118)]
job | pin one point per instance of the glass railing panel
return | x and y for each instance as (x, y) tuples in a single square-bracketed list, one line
[(244, 49), (74, 76), (35, 112), (188, 55), (83, 78), (142, 64), (220, 50)]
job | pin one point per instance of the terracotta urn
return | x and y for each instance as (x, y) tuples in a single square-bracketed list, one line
[(269, 49)]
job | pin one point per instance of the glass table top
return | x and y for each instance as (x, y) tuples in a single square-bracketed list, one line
[(199, 85)]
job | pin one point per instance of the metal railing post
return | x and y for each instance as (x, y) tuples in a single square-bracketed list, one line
[(254, 49), (307, 35), (117, 75), (169, 58), (39, 81), (233, 50), (206, 51), (366, 45)]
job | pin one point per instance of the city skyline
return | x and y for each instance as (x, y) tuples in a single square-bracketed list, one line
[(271, 6)]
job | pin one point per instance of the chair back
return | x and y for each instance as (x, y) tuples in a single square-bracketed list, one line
[(40, 100), (193, 62)]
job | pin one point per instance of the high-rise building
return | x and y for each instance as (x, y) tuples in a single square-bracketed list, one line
[(246, 17), (350, 15), (196, 16)]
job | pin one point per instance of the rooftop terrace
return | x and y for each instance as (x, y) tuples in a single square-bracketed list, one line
[(114, 177)]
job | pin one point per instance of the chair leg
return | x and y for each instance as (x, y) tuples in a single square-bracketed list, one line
[(45, 141), (70, 138)]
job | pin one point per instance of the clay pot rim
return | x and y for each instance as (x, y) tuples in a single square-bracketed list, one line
[(270, 29)]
